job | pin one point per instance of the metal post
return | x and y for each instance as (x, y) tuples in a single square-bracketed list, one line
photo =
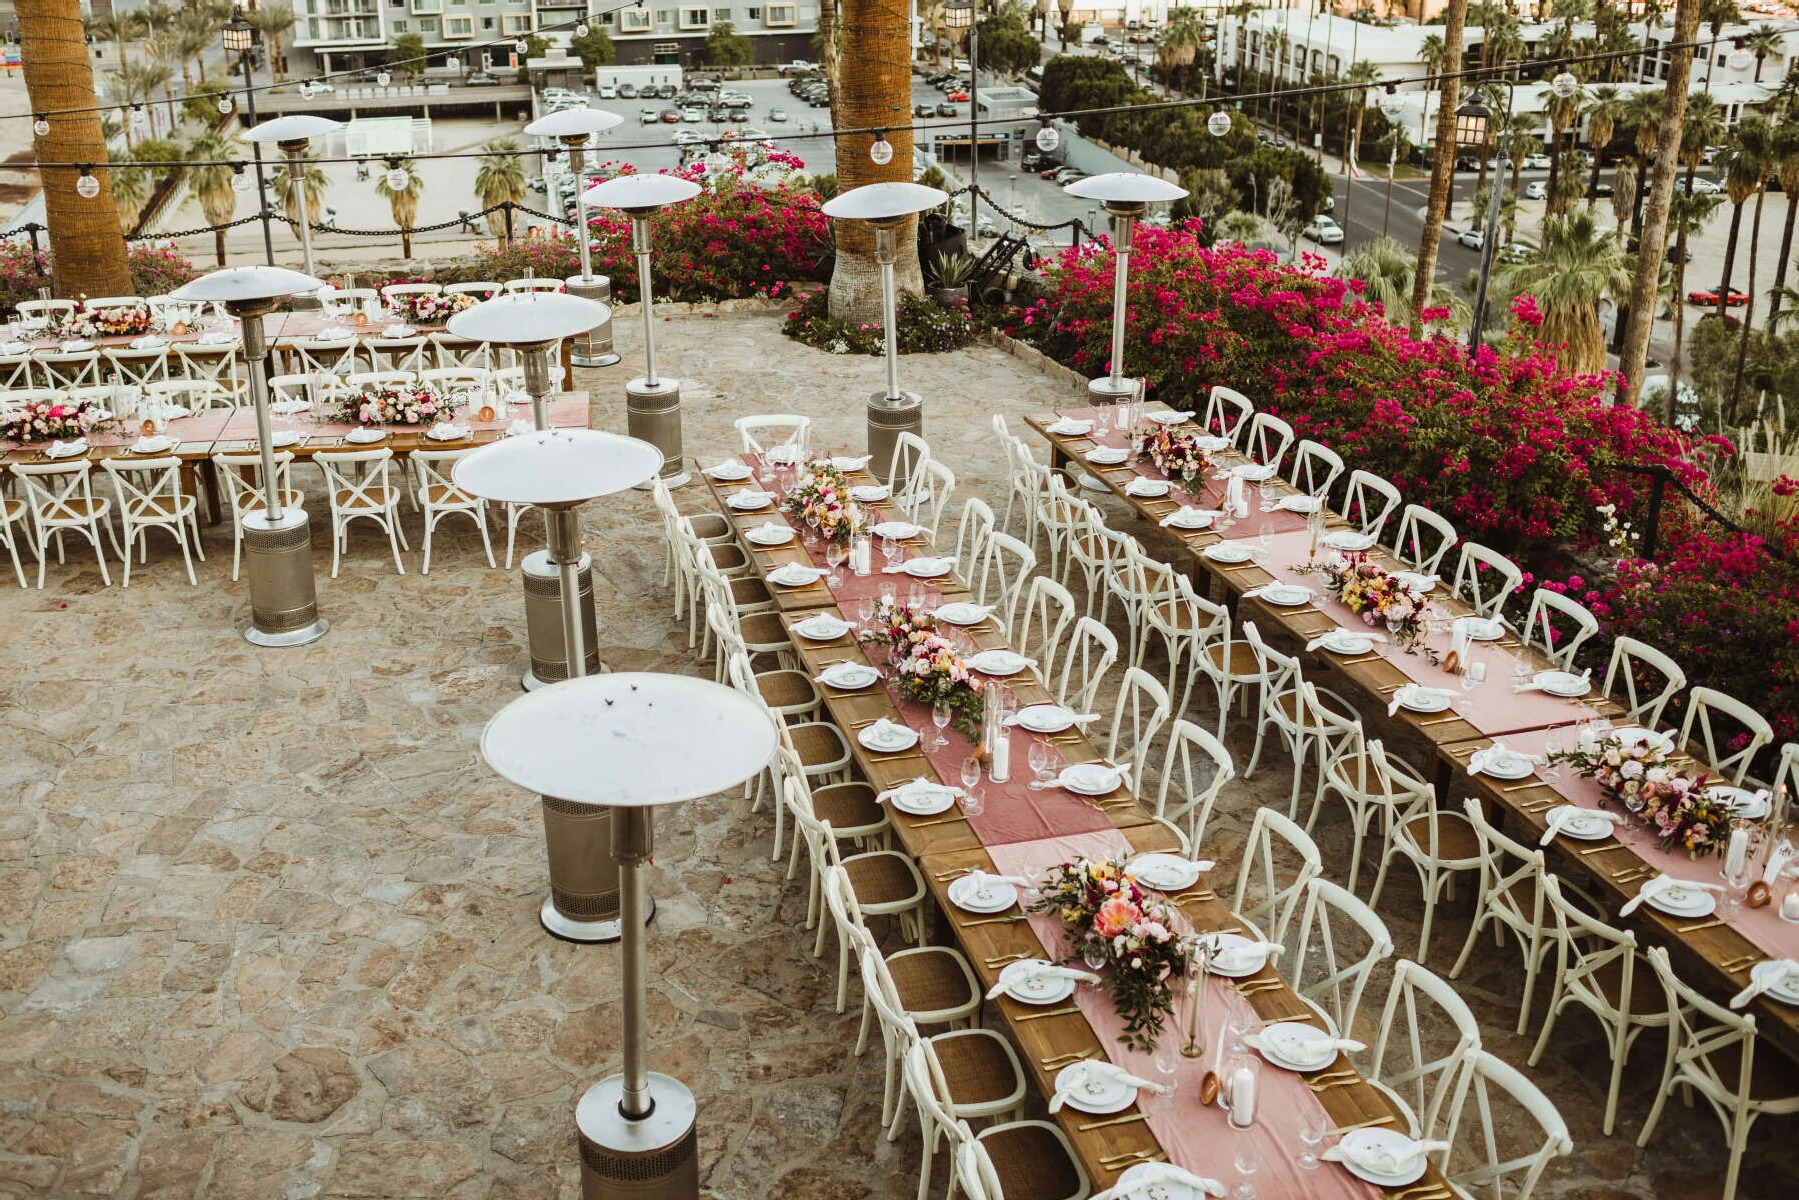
[(974, 135), (1123, 220), (632, 845), (255, 362), (1655, 513), (296, 180), (885, 255), (535, 359), (1489, 243), (563, 527), (262, 195), (640, 246), (506, 208)]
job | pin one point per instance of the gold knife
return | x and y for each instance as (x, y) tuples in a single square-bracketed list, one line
[(1070, 1011), (1127, 1119), (1343, 1129)]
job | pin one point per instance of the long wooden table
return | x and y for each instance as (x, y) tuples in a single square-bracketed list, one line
[(946, 845)]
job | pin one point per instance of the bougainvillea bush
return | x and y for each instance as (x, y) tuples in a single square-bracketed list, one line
[(22, 272), (158, 269), (925, 326)]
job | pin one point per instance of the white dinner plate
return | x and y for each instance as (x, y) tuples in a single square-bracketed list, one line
[(1098, 1097), (1227, 552), (1424, 702), (1045, 718), (447, 433), (847, 463), (998, 662), (292, 437), (1027, 988), (1108, 456), (897, 530), (1253, 472), (1630, 735), (1417, 582), (1090, 779), (1286, 595), (287, 408), (1581, 824), (1190, 518), (1680, 901), (1483, 629), (1785, 990), (1147, 489), (1159, 1191), (1395, 1143), (992, 898), (1348, 643), (1170, 418), (849, 676), (922, 799), (1212, 443), (1299, 504), (730, 470), (822, 627), (1348, 540), (929, 568), (794, 575), (1235, 956), (960, 612), (1164, 872), (1510, 765), (897, 738), (769, 535), (1564, 683), (869, 493), (74, 449), (749, 500), (1741, 801), (1295, 1046), (153, 445)]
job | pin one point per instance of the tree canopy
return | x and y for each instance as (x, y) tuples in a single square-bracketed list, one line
[(725, 47), (594, 48)]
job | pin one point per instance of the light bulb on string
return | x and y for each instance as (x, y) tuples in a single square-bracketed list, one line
[(306, 89), (240, 182), (87, 186), (1391, 102), (1047, 137), (1219, 123), (520, 46), (384, 79), (1564, 84), (41, 126), (881, 151), (397, 177), (581, 30), (225, 106), (140, 120)]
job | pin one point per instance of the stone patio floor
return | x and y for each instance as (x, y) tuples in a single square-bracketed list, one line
[(269, 925)]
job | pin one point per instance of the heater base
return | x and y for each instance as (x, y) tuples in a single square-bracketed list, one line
[(1101, 391), (653, 1158), (585, 932)]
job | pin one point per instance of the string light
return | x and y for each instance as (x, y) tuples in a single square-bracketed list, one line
[(41, 126), (140, 120), (240, 182), (306, 89), (225, 105), (1391, 102), (1047, 136), (1564, 84), (87, 186), (383, 78), (881, 152), (521, 46), (581, 30), (1219, 123), (397, 177)]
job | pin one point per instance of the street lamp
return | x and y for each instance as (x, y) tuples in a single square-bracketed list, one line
[(1126, 196), (960, 14), (558, 470), (574, 128), (886, 206), (291, 134), (284, 609), (532, 323), (239, 35), (625, 744), (652, 403), (1471, 121)]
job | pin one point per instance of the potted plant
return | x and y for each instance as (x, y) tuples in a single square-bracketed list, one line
[(950, 274)]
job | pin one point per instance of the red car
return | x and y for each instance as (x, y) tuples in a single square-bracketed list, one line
[(671, 117), (955, 96), (1708, 298)]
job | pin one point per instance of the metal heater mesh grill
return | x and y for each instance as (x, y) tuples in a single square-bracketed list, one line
[(638, 1168)]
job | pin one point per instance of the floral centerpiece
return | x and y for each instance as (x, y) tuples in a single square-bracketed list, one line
[(1677, 807), (1103, 907), (927, 664), (821, 498), (1378, 596), (1173, 453), (393, 404), (428, 309), (42, 421), (123, 321)]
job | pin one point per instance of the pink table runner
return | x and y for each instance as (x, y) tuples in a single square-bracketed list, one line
[(1762, 926), (1196, 1136)]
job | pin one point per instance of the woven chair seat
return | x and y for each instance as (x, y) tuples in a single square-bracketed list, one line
[(882, 877), (708, 525), (787, 690), (818, 744), (1455, 838), (979, 1071), (728, 558), (748, 593), (1242, 659), (848, 807), (763, 632), (1176, 615), (931, 980), (1029, 1160)]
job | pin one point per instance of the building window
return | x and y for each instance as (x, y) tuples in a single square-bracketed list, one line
[(633, 20), (780, 15), (486, 22), (695, 18), (511, 23), (665, 16), (721, 14), (459, 27), (428, 25), (606, 18), (754, 14), (400, 27)]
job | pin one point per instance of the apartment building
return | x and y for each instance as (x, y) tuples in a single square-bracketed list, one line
[(665, 31)]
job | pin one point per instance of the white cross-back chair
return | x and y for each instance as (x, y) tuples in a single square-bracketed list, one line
[(1600, 969), (485, 289), (59, 370), (195, 395), (999, 578), (927, 495), (60, 497), (910, 452), (1049, 611), (882, 882), (1421, 1008), (534, 285), (439, 497), (1062, 517), (1141, 584), (1510, 899), (1501, 1097), (455, 378), (1703, 708), (448, 350), (1227, 413), (96, 303), (150, 497), (339, 303), (1540, 630), (242, 476), (1137, 717), (1315, 467), (1368, 502), (1188, 625), (1278, 861), (1485, 579), (362, 379), (138, 367), (1291, 706), (1712, 1051), (15, 373), (1090, 654), (1033, 1159), (409, 354), (1372, 786), (394, 291), (1099, 550), (322, 356), (1635, 663), (39, 309), (1438, 842), (13, 511), (1423, 539), (359, 487), (1195, 768), (302, 388), (1341, 941), (1267, 440), (214, 361), (788, 435), (972, 531)]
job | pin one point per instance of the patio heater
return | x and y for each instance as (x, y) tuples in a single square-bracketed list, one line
[(559, 470), (652, 403), (532, 323), (626, 743), (887, 206), (574, 128), (239, 36), (290, 135), (284, 608), (1125, 195)]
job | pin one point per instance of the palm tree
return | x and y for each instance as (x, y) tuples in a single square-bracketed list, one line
[(136, 83), (120, 28), (1178, 43), (1442, 174), (875, 37), (1605, 104), (1241, 10), (312, 181), (1576, 267), (1704, 127), (132, 188), (1563, 112), (1744, 176), (1786, 169), (500, 179), (1762, 41), (404, 201), (1688, 214), (1387, 273), (193, 35), (1362, 76), (1716, 14), (1518, 138), (1759, 152), (210, 180), (1642, 115), (274, 21)]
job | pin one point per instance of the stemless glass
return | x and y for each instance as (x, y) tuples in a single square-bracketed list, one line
[(1311, 1137), (1248, 1160), (940, 716)]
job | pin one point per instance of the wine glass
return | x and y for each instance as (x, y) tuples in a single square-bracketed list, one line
[(889, 550), (1238, 1026), (1473, 675), (1093, 953), (971, 785), (940, 716), (1168, 1061), (1553, 745), (764, 471), (1038, 757), (1311, 1137), (834, 558), (1248, 1160)]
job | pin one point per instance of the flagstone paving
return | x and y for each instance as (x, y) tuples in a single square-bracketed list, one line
[(268, 925)]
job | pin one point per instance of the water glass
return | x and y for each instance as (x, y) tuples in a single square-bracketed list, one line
[(834, 558), (1473, 675), (889, 550), (1038, 757), (1093, 953), (1311, 1137), (865, 611), (940, 716), (1168, 1061), (1552, 746), (1248, 1161), (971, 786)]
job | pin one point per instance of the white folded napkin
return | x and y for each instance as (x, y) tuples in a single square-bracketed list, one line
[(448, 432), (1076, 718), (1766, 975), (16, 348), (752, 497), (770, 531), (1091, 1071), (1298, 504), (1561, 817), (1657, 886), (987, 610), (1145, 1176), (868, 493), (1255, 472), (1041, 971), (1418, 582), (884, 731), (729, 468), (76, 346), (1382, 1160), (520, 428), (1498, 752), (1150, 488), (1778, 858), (1256, 1041), (845, 462), (1537, 680), (1186, 512), (1277, 584), (149, 341), (397, 331), (1072, 427), (1411, 690), (796, 574), (1370, 634), (59, 448), (919, 784), (217, 337), (336, 333), (900, 568), (1237, 951)]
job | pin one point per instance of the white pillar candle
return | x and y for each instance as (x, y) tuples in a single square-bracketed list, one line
[(1243, 1098), (1736, 851), (1001, 769)]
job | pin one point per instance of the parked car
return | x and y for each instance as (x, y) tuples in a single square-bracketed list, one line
[(693, 116), (1708, 298), (1474, 239), (1602, 189), (798, 66), (946, 109), (1068, 175), (819, 99), (627, 91), (1515, 252), (1324, 230), (740, 115), (778, 116), (1704, 187), (480, 79), (1036, 160), (670, 116), (1536, 189), (735, 99), (609, 91), (703, 83), (647, 116), (552, 95), (1536, 162), (955, 96)]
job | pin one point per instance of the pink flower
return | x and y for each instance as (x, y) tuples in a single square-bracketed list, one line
[(1115, 916)]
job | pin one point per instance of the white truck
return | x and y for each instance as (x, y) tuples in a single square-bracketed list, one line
[(652, 75)]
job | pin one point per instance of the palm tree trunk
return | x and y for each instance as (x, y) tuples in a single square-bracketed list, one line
[(1442, 175), (1551, 206), (1593, 183), (1786, 250), (1680, 321), (1652, 241), (218, 245), (1755, 231), (1730, 258), (59, 77), (406, 243), (875, 39)]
